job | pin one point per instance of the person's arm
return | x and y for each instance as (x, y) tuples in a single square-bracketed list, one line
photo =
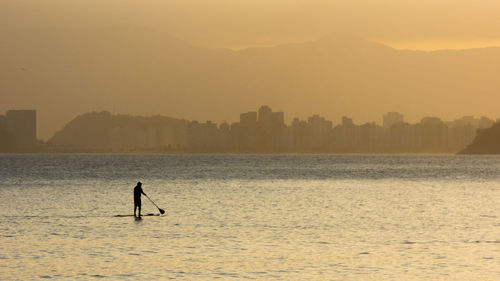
[(142, 191)]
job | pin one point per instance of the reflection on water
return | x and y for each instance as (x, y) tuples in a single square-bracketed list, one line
[(250, 217)]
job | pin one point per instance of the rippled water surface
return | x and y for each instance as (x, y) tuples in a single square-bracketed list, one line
[(264, 217)]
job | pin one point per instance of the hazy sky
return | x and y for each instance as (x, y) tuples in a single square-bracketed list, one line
[(427, 24), (67, 57)]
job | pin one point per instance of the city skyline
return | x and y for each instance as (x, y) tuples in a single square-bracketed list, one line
[(333, 58), (386, 120), (334, 76), (264, 131), (287, 119)]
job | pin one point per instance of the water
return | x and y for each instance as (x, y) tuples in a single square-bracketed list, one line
[(259, 217)]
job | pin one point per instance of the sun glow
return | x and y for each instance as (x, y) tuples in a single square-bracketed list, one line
[(434, 45)]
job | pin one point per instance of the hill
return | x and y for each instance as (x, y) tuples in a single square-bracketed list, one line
[(487, 141), (102, 131)]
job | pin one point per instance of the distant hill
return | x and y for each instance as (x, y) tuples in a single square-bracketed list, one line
[(148, 72), (102, 131), (486, 142)]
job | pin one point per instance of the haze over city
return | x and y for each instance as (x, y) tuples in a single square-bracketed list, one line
[(190, 59), (250, 139)]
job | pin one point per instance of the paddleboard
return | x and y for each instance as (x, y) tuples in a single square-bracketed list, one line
[(144, 215)]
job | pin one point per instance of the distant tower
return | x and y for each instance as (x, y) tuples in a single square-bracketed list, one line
[(278, 118), (248, 119), (391, 118), (22, 125), (267, 118), (346, 121), (265, 115)]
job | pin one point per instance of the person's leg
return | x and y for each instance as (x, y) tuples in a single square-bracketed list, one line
[(135, 208), (139, 206)]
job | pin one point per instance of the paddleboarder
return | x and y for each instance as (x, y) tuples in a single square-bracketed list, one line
[(137, 198)]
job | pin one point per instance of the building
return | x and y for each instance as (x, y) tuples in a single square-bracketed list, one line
[(299, 135), (21, 124), (391, 118), (433, 135), (203, 136), (271, 130), (348, 137), (319, 130), (265, 116), (248, 119), (247, 133)]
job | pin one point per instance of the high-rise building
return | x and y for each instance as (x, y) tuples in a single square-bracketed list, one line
[(278, 118), (319, 128), (299, 134), (346, 121), (434, 134), (248, 119), (391, 118), (22, 126), (265, 116), (202, 136)]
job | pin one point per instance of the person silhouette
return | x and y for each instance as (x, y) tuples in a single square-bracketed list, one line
[(137, 198)]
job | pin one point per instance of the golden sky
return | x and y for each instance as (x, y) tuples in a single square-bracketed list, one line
[(68, 57), (414, 24)]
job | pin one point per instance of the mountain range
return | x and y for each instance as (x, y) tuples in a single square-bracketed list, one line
[(63, 73)]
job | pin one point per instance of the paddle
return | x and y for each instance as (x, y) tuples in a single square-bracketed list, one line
[(159, 209)]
